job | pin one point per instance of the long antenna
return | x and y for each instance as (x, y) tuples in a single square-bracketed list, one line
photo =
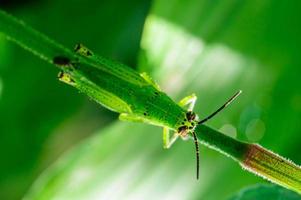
[(197, 154), (221, 108)]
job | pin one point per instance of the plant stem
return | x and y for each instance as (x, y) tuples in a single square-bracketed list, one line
[(30, 39), (252, 157)]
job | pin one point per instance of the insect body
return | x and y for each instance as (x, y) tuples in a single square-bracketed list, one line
[(135, 96)]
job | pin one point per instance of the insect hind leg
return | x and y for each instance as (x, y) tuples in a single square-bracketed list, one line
[(188, 101)]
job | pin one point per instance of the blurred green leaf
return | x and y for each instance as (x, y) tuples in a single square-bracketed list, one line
[(125, 161), (265, 192)]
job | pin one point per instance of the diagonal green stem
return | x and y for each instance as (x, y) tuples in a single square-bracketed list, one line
[(252, 157), (30, 39)]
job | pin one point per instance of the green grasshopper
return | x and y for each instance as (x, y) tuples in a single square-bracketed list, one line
[(135, 96)]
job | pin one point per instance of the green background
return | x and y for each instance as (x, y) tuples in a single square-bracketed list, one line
[(56, 144)]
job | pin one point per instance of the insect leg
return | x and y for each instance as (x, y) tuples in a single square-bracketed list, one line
[(148, 79), (132, 118), (167, 141), (189, 100)]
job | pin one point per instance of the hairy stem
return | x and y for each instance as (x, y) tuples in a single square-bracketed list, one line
[(252, 157), (273, 167), (30, 39)]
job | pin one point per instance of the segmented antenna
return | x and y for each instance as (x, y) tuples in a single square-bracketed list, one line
[(197, 154), (221, 108)]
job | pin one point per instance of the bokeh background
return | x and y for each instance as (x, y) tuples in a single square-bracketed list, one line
[(56, 144)]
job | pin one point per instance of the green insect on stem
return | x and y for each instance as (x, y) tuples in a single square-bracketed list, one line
[(138, 98)]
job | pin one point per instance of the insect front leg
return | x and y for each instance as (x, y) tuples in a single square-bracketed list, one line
[(189, 100), (167, 141)]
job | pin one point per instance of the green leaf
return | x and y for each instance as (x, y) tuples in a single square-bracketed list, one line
[(265, 192), (123, 161)]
